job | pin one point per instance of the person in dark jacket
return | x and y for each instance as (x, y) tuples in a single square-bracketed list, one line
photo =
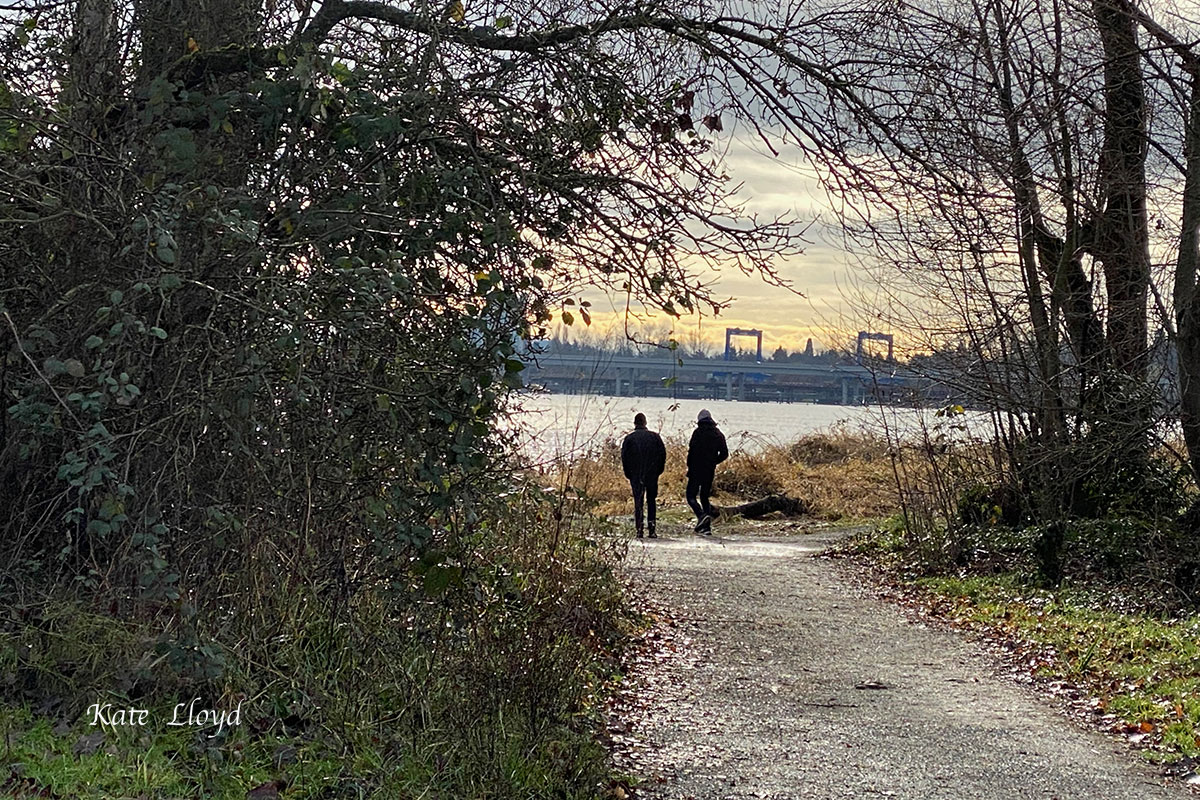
[(706, 449), (643, 457)]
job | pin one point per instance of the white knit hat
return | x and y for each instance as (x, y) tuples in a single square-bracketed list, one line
[(703, 415)]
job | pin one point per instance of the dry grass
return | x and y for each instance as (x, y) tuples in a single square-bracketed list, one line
[(842, 474)]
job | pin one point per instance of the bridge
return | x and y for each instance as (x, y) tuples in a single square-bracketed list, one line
[(661, 374)]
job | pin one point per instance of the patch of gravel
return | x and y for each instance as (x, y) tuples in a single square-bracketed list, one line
[(771, 676)]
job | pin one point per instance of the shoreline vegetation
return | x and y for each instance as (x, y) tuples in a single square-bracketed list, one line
[(842, 475)]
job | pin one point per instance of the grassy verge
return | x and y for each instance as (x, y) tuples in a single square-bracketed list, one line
[(1134, 671), (477, 673)]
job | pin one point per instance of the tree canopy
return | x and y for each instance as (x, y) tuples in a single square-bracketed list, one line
[(266, 265)]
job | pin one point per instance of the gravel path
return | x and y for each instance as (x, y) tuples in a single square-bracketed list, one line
[(780, 680)]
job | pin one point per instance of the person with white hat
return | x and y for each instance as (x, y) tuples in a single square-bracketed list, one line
[(706, 449)]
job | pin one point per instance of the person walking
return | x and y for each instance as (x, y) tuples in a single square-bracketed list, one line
[(643, 458), (706, 449)]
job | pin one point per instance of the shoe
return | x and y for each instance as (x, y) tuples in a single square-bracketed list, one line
[(704, 525), (653, 534), (639, 533)]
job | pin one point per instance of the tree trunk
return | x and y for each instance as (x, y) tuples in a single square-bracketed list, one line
[(95, 57), (782, 503), (1187, 315), (1122, 242)]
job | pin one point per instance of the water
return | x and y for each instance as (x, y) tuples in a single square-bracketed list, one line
[(570, 425)]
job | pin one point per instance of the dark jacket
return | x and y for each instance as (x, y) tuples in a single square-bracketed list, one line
[(643, 455), (706, 450)]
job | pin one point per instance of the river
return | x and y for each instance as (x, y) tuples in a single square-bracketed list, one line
[(555, 425)]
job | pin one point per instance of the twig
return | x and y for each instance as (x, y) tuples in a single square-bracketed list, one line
[(32, 363)]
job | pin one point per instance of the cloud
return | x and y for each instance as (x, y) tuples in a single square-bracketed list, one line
[(769, 187)]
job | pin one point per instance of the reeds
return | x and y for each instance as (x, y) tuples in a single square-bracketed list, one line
[(842, 474)]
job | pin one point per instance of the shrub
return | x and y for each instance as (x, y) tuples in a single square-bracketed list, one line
[(754, 475), (471, 673)]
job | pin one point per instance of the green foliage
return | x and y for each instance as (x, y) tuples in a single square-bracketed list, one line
[(292, 319), (486, 686), (267, 278), (1148, 488)]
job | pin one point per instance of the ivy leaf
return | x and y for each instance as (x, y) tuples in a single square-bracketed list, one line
[(164, 247)]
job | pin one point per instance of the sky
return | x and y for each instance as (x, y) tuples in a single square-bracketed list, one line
[(826, 275), (771, 187)]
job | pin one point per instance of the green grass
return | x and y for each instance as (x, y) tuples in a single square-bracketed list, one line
[(486, 685), (47, 760), (504, 703), (1143, 670), (155, 761), (459, 753)]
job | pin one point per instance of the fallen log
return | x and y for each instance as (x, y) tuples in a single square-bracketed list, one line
[(772, 503)]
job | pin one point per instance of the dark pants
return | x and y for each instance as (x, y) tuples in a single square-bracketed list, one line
[(702, 487), (647, 488)]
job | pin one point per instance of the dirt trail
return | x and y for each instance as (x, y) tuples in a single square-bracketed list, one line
[(756, 694)]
